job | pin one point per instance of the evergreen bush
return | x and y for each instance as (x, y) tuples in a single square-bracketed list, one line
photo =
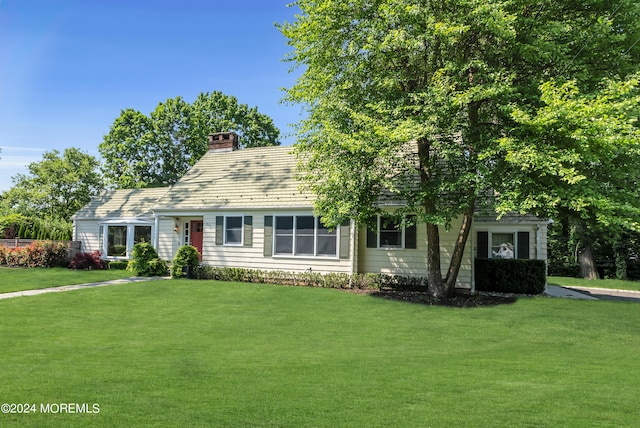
[(145, 261), (517, 276), (186, 259)]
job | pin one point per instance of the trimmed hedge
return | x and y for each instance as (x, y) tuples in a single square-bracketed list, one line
[(118, 265), (517, 276), (368, 281)]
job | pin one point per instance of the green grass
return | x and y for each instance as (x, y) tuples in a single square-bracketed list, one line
[(18, 279), (205, 353), (600, 283)]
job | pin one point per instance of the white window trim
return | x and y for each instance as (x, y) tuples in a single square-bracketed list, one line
[(224, 231), (130, 225), (315, 255), (503, 231), (402, 245)]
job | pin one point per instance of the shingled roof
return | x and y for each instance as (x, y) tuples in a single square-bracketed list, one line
[(262, 177), (122, 203)]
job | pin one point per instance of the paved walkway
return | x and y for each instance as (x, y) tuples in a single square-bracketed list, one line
[(78, 286)]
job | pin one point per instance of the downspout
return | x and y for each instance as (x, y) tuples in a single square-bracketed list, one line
[(156, 234)]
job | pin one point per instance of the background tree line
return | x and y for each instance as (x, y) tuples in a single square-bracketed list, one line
[(138, 151)]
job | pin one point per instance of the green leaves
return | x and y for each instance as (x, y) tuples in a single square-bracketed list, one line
[(55, 187), (156, 150)]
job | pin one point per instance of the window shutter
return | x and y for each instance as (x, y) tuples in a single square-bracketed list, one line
[(248, 231), (219, 230), (523, 245), (410, 234), (483, 245), (268, 235), (345, 239), (372, 235)]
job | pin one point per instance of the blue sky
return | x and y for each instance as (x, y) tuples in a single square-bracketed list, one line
[(68, 67)]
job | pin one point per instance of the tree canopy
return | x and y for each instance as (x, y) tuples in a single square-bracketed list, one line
[(156, 150), (55, 187), (465, 81)]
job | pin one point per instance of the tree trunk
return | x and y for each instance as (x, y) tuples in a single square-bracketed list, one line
[(437, 287), (587, 262), (458, 251)]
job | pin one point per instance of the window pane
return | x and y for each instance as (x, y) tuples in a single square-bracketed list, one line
[(117, 241), (390, 232), (304, 225), (284, 225), (391, 239), (284, 244), (142, 234), (304, 245), (322, 230), (326, 245), (233, 233), (502, 245), (234, 222), (234, 236)]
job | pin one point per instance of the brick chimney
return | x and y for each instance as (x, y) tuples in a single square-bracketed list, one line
[(221, 142)]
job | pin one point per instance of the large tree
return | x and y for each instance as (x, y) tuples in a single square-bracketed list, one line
[(450, 77), (156, 150), (55, 187)]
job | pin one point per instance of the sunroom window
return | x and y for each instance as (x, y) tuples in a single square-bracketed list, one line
[(117, 240)]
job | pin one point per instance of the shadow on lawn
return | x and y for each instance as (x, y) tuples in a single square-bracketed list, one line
[(457, 301)]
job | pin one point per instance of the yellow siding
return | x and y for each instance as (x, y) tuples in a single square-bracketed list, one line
[(413, 262), (253, 257)]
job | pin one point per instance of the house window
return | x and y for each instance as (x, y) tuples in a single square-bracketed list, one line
[(117, 241), (142, 234), (392, 233), (304, 236), (503, 245), (233, 230)]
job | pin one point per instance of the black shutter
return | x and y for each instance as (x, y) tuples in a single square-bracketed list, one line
[(219, 230), (268, 235), (410, 233), (483, 245), (372, 235), (523, 245), (248, 231)]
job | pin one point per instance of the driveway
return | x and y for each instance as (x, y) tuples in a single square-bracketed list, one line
[(589, 293)]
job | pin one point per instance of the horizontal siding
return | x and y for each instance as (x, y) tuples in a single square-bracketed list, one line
[(87, 232), (412, 262), (253, 257), (167, 240)]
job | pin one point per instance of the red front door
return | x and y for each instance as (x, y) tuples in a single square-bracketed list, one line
[(196, 236)]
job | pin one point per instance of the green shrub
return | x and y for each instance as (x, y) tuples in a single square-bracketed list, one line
[(186, 259), (368, 281), (145, 261), (510, 275), (118, 265)]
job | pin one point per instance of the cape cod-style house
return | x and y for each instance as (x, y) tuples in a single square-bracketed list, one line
[(244, 208)]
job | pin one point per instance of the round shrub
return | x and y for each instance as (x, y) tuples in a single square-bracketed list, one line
[(145, 262), (187, 258)]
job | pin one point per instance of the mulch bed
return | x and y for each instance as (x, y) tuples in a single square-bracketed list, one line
[(458, 301)]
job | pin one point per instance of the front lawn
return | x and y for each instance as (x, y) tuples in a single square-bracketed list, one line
[(18, 279), (617, 284), (206, 353)]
